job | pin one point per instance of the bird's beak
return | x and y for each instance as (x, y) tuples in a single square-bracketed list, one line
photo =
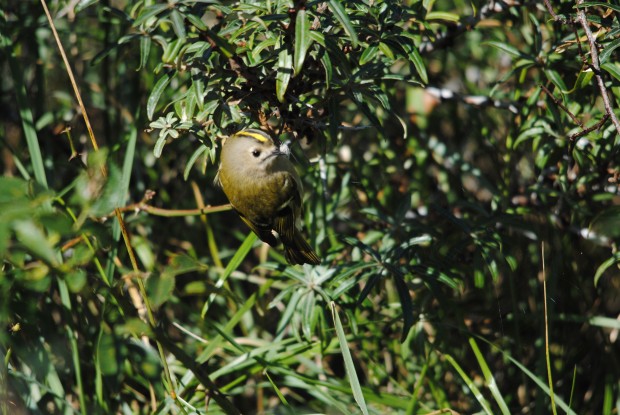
[(283, 150)]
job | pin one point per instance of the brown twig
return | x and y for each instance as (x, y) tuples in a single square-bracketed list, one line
[(594, 65), (559, 104), (589, 129), (581, 16), (76, 90), (553, 13), (143, 206)]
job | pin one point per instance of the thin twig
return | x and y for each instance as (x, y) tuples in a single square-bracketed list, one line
[(589, 129), (594, 65), (554, 14), (581, 16), (142, 206), (71, 77), (559, 104)]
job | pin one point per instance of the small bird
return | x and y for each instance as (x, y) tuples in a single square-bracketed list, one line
[(264, 188)]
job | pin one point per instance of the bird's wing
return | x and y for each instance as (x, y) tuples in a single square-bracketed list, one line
[(263, 230)]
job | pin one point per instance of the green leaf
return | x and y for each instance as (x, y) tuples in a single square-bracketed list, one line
[(307, 306), (612, 68), (267, 43), (556, 79), (470, 384), (33, 238), (329, 72), (302, 40), (149, 12), (343, 18), (159, 145), (615, 259), (406, 304), (317, 37), (488, 377), (285, 70), (196, 21), (172, 50), (348, 361), (385, 49), (192, 160), (107, 355), (277, 391), (608, 50), (443, 16), (159, 288), (369, 54), (414, 57), (76, 280), (511, 50), (145, 48), (233, 264), (25, 113), (614, 7), (154, 96), (178, 23), (559, 402), (222, 45), (582, 81)]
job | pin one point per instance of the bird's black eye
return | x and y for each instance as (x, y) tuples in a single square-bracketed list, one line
[(256, 153)]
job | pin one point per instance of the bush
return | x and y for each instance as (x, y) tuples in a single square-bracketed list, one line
[(460, 163)]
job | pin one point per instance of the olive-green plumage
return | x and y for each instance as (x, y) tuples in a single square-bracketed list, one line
[(262, 185)]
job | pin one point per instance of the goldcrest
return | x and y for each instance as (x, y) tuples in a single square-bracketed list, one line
[(264, 188)]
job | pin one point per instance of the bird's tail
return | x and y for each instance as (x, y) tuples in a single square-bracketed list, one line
[(298, 251)]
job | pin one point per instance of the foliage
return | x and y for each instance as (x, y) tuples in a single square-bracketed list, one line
[(456, 155)]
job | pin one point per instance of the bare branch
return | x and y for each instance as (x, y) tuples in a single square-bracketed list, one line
[(559, 104), (581, 16)]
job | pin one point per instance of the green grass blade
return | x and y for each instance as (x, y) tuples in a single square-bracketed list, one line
[(348, 362), (277, 390), (470, 384), (26, 114), (488, 376), (234, 263), (234, 320), (541, 384)]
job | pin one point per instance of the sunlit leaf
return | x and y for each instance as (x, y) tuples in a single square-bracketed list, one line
[(302, 40), (156, 93), (340, 13)]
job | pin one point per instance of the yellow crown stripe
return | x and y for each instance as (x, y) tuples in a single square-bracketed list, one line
[(256, 136)]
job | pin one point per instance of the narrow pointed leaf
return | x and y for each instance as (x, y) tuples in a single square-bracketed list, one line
[(302, 40), (285, 70), (406, 304), (192, 160), (178, 24), (343, 18), (488, 376), (414, 57), (145, 48), (348, 361), (156, 93)]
